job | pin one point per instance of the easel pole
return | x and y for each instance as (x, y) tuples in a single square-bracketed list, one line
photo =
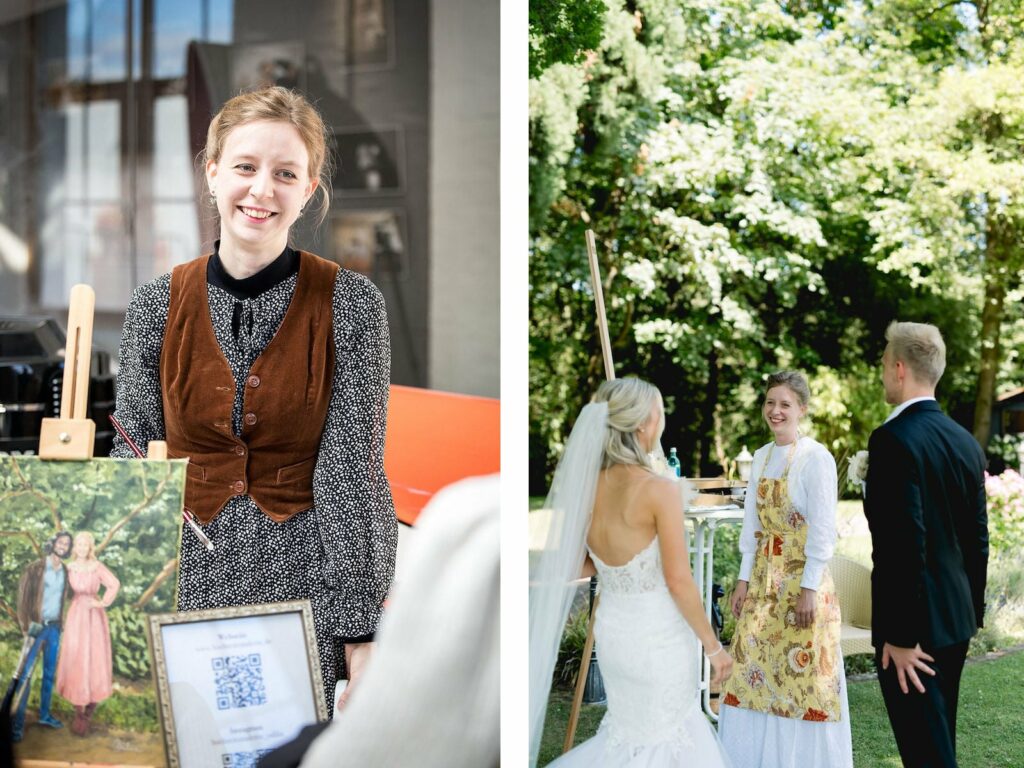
[(609, 372), (73, 436), (602, 318)]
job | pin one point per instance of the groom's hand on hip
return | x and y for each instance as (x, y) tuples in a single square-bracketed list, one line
[(908, 662)]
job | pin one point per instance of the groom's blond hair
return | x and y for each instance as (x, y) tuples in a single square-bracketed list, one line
[(920, 347)]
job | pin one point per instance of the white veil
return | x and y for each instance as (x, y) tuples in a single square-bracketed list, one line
[(553, 569)]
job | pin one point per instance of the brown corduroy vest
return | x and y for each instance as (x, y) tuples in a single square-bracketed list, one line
[(287, 392)]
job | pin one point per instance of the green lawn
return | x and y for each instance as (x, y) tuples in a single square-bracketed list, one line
[(989, 725)]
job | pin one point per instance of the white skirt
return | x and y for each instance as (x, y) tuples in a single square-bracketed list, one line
[(758, 740)]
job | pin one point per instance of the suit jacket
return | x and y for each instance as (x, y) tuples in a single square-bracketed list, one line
[(925, 506), (30, 594)]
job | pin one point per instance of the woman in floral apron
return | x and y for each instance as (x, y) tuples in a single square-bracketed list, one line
[(785, 703)]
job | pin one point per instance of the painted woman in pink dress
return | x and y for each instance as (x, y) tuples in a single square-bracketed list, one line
[(85, 674)]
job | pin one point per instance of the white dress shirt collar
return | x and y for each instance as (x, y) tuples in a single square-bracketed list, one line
[(904, 405)]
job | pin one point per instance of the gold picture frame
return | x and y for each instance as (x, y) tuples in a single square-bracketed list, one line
[(216, 700)]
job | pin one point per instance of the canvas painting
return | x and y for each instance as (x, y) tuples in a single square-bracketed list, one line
[(88, 549)]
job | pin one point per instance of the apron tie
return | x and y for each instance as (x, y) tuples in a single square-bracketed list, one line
[(772, 547)]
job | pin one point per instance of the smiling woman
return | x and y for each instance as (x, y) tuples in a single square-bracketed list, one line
[(261, 184), (266, 158), (787, 616), (290, 489)]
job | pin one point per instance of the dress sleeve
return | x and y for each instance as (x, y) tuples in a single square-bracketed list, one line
[(751, 523), (110, 583), (354, 510), (139, 407), (819, 487)]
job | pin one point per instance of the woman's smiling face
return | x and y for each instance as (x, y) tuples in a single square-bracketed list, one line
[(782, 412), (261, 182)]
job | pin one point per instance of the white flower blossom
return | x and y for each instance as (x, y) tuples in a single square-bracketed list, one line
[(641, 274), (857, 471)]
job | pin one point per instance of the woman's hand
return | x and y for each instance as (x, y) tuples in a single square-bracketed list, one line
[(806, 605), (721, 663), (738, 596), (356, 657)]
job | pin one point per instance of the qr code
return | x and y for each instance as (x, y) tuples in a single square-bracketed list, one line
[(242, 759), (239, 681)]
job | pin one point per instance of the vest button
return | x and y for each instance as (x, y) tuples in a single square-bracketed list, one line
[(240, 450), (253, 381), (250, 419), (239, 487)]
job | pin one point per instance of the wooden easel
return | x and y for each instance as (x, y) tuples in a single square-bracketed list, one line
[(609, 372), (72, 436)]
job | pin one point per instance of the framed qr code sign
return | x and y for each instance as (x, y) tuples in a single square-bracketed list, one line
[(234, 683)]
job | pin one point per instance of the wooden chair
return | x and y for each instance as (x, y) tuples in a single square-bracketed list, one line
[(853, 588)]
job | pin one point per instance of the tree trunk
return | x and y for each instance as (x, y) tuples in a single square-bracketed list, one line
[(707, 441), (999, 241)]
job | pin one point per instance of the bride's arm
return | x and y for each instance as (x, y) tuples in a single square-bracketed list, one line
[(675, 560)]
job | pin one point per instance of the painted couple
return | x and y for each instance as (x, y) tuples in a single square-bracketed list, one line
[(75, 646), (784, 691)]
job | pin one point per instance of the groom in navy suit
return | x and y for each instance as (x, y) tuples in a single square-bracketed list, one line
[(925, 504)]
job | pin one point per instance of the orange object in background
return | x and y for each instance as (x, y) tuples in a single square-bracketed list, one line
[(435, 438)]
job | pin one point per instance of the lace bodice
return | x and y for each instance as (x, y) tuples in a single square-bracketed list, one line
[(641, 574)]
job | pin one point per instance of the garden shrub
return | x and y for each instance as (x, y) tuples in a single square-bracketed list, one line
[(570, 652), (1005, 447), (1004, 606), (1005, 513)]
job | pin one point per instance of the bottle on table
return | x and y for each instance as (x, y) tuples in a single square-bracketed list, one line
[(673, 462)]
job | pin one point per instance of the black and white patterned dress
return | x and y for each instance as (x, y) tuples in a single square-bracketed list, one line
[(341, 553)]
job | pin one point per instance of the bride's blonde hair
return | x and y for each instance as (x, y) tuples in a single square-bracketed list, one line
[(630, 401), (92, 543)]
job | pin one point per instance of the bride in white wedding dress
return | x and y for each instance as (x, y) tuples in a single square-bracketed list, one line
[(612, 512)]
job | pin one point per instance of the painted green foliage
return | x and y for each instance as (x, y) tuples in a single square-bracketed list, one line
[(132, 508)]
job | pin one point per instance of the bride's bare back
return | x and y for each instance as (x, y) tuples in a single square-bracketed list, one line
[(631, 507), (623, 521)]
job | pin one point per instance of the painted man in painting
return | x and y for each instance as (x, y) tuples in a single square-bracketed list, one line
[(42, 592)]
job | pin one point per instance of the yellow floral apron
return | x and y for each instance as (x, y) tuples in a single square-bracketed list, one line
[(781, 669)]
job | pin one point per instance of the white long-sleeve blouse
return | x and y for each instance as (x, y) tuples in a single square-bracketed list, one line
[(813, 489)]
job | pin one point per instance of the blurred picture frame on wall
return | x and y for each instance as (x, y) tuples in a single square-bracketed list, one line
[(265, 64), (369, 161), (372, 242), (369, 34)]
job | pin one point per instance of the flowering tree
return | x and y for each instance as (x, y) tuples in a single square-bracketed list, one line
[(770, 184)]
